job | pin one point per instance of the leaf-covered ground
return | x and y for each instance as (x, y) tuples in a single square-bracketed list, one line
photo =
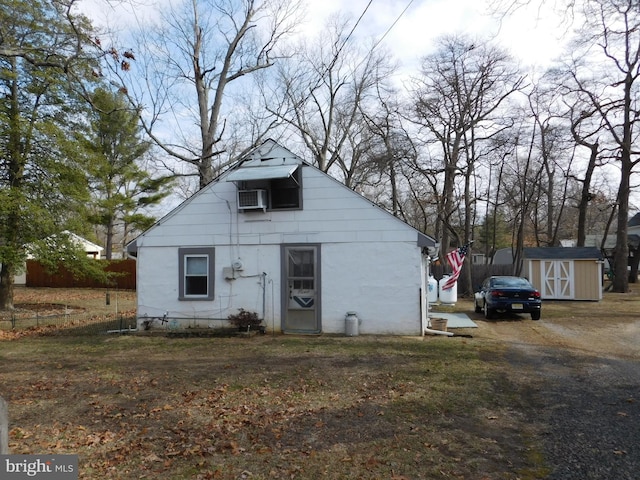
[(54, 301), (276, 407), (263, 407), (51, 311)]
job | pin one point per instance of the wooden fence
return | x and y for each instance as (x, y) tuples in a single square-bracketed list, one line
[(124, 278)]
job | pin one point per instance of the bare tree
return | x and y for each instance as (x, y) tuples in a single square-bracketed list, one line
[(555, 150), (585, 135), (520, 185), (191, 62), (328, 88), (604, 75), (392, 148), (456, 103)]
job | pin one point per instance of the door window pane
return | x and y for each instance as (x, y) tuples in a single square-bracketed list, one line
[(301, 263)]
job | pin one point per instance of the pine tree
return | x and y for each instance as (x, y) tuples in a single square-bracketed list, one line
[(121, 187), (44, 65)]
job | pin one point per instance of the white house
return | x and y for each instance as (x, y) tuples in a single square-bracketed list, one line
[(93, 251), (278, 237)]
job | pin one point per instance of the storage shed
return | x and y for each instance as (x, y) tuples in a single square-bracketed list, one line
[(565, 273)]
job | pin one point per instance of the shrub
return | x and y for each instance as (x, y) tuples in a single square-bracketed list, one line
[(245, 320)]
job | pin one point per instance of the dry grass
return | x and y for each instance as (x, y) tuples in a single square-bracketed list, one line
[(270, 407), (27, 301), (265, 407), (67, 311)]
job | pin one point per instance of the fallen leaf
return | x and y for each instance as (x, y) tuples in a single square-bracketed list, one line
[(153, 458)]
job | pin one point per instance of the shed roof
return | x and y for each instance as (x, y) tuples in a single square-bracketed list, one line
[(261, 173), (563, 253), (503, 256), (635, 220)]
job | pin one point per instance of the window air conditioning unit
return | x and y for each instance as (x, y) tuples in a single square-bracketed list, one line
[(252, 199)]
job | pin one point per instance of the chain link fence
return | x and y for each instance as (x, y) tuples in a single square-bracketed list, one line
[(69, 324)]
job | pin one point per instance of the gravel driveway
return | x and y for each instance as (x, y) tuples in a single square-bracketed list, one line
[(581, 380)]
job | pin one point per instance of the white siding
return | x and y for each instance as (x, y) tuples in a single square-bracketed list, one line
[(158, 283), (385, 291), (370, 261)]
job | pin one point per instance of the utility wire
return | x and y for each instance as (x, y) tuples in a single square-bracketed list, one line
[(348, 37), (337, 54), (392, 25), (375, 45)]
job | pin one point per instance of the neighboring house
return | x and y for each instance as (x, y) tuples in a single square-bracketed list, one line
[(609, 249), (93, 251), (565, 273), (478, 259), (503, 256), (276, 236), (633, 227)]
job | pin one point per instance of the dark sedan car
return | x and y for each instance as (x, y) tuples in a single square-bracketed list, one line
[(506, 294)]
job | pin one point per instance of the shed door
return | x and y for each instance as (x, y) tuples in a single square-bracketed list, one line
[(301, 289), (557, 279)]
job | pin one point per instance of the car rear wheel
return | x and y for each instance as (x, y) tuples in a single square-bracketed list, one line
[(477, 308), (488, 313), (535, 315)]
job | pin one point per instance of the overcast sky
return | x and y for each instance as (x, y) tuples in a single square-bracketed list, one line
[(532, 38), (529, 35)]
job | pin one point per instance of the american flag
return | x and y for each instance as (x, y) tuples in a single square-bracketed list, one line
[(456, 259)]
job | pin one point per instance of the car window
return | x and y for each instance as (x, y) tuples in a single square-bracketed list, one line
[(507, 282)]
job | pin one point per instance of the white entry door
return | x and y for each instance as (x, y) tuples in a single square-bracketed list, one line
[(557, 279)]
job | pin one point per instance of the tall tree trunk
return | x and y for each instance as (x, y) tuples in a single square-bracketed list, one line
[(621, 256), (585, 196), (109, 242), (621, 259), (6, 287), (15, 181)]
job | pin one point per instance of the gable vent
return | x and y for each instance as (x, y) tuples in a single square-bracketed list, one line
[(252, 199)]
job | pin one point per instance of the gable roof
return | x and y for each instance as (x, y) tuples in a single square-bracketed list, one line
[(563, 253), (270, 160), (83, 242)]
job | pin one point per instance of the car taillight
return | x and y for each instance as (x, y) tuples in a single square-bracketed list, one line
[(496, 293), (535, 294)]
